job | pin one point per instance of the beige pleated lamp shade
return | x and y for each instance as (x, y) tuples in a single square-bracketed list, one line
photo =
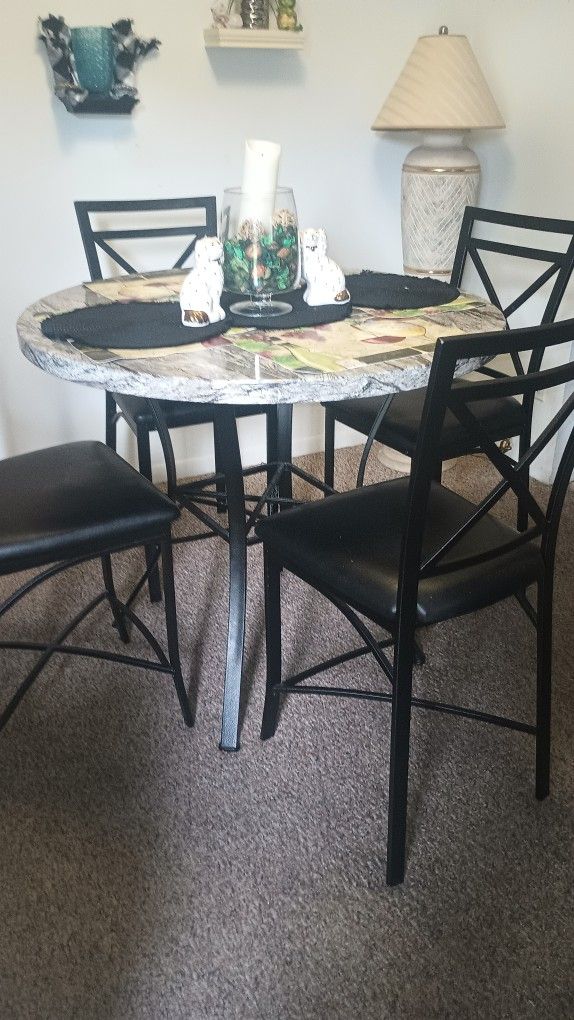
[(441, 87)]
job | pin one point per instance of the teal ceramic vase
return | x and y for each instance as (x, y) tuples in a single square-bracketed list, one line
[(93, 51)]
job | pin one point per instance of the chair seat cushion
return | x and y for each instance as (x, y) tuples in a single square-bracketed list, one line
[(349, 545), (503, 418), (177, 413), (75, 500)]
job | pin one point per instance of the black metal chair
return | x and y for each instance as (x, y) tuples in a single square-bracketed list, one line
[(136, 411), (72, 503), (410, 553), (395, 420)]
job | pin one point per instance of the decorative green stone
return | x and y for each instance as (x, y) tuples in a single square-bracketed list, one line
[(273, 264)]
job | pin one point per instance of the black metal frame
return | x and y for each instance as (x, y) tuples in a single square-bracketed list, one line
[(241, 520), (97, 240), (515, 479), (561, 266), (122, 614)]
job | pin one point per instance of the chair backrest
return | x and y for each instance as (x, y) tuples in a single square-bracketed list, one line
[(558, 264), (443, 395), (96, 241)]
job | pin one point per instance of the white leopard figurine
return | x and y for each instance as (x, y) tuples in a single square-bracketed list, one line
[(200, 295), (325, 280)]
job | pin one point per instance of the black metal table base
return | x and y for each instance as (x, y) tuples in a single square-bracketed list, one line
[(243, 511)]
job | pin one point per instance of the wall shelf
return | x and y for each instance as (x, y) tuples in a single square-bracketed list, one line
[(254, 38), (104, 104)]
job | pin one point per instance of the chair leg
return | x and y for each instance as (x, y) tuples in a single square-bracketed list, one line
[(522, 509), (399, 759), (419, 657), (284, 453), (144, 462), (272, 572), (220, 491), (115, 604), (543, 687), (111, 420), (279, 425), (329, 472), (171, 629), (272, 451)]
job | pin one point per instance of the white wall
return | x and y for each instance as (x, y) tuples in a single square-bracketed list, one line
[(186, 137)]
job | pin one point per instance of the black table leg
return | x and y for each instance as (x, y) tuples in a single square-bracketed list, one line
[(279, 432), (284, 448), (230, 464), (279, 421)]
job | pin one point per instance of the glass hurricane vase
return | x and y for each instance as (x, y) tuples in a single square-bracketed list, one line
[(260, 249)]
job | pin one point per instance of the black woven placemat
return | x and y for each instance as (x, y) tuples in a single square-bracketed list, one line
[(138, 325), (128, 324), (387, 290)]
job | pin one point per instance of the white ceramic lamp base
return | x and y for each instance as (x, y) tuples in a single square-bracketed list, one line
[(440, 178), (396, 461), (392, 459)]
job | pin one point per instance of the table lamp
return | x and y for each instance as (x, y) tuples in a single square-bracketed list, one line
[(442, 92)]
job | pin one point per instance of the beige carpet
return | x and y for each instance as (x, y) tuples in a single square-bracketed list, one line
[(145, 874)]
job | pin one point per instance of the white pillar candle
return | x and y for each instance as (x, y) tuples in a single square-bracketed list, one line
[(260, 172)]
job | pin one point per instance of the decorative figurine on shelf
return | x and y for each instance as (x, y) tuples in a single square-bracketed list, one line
[(200, 295), (224, 16), (325, 280), (255, 13), (286, 15)]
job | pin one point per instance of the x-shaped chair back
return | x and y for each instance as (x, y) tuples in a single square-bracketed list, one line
[(96, 241), (442, 395), (558, 264)]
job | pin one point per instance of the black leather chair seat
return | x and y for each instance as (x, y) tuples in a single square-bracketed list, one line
[(349, 545), (75, 500), (503, 418), (177, 413)]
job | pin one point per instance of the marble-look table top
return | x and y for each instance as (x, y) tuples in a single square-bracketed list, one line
[(371, 353)]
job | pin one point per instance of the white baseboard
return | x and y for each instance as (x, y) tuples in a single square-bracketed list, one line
[(202, 463), (193, 447)]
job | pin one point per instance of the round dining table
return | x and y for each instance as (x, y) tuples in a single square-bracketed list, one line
[(373, 352)]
